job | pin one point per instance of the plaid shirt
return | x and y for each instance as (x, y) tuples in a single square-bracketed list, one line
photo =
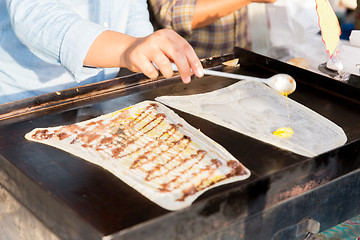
[(215, 39)]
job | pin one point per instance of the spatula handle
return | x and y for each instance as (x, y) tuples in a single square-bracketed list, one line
[(222, 74)]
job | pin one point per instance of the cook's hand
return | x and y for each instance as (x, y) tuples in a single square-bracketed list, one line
[(114, 49), (162, 47)]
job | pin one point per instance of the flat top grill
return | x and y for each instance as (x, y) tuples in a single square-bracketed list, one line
[(77, 199)]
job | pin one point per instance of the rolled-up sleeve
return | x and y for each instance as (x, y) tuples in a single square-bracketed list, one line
[(53, 32), (177, 15), (76, 43)]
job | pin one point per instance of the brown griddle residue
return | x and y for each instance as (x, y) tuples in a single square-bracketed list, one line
[(151, 146)]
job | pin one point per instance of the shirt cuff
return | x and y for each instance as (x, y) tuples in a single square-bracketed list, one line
[(76, 44)]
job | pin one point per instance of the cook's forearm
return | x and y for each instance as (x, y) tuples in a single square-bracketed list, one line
[(107, 49)]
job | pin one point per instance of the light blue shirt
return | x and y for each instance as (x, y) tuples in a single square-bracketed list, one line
[(43, 43)]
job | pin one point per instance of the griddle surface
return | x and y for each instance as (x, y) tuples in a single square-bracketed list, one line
[(108, 204)]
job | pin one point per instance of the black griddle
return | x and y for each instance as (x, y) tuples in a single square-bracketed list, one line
[(78, 200)]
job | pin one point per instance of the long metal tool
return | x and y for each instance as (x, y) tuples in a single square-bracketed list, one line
[(282, 83)]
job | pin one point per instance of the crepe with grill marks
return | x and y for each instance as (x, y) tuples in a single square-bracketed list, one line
[(150, 148)]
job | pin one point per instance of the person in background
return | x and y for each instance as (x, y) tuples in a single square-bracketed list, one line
[(47, 46), (212, 27)]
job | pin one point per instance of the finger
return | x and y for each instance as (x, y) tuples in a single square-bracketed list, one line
[(194, 62), (184, 68), (136, 58), (163, 64), (186, 58), (144, 65), (149, 70), (191, 56), (176, 48)]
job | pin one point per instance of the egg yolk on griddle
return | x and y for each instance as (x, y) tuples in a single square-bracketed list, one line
[(283, 132)]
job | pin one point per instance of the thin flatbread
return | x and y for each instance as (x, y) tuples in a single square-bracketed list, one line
[(150, 148), (256, 110)]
